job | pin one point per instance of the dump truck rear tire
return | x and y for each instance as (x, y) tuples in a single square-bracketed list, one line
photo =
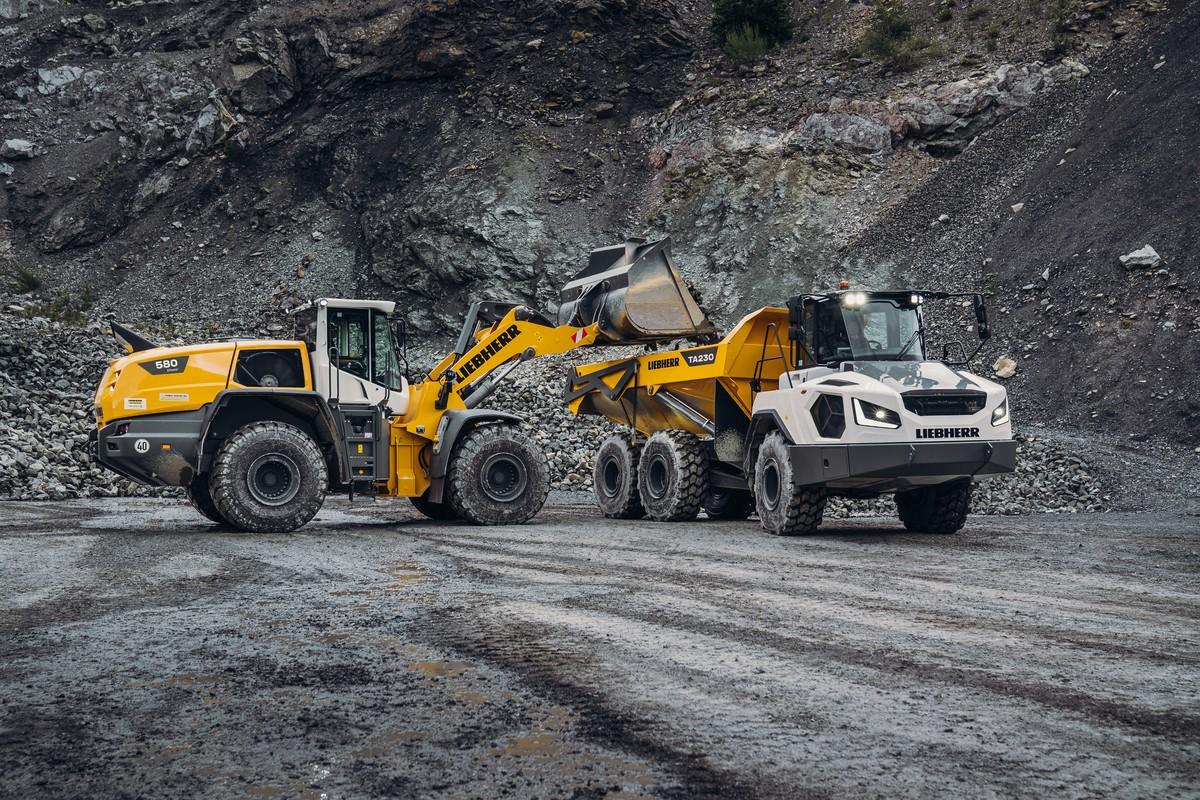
[(672, 476), (497, 476), (201, 500), (728, 503), (435, 511), (268, 477), (615, 478), (784, 508), (935, 509)]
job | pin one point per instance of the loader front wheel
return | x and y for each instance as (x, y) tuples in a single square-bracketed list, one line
[(935, 509), (728, 503), (497, 476), (784, 508), (672, 476), (201, 499), (615, 478), (268, 477)]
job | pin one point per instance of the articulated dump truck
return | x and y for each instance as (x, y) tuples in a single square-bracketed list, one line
[(258, 432), (830, 395)]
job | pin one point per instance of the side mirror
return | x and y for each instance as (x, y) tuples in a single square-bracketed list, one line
[(981, 318), (400, 331)]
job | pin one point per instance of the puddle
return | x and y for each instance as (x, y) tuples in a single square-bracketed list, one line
[(439, 669), (536, 744), (470, 698), (333, 638), (407, 574), (387, 744)]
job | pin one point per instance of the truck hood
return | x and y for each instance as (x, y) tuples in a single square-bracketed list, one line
[(903, 376)]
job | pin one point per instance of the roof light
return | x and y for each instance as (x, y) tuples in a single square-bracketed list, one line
[(854, 299), (843, 284), (916, 300)]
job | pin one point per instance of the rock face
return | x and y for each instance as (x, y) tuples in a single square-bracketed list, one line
[(259, 72)]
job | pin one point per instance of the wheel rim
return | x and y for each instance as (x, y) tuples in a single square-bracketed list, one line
[(273, 479), (610, 477), (771, 484), (657, 477), (503, 477)]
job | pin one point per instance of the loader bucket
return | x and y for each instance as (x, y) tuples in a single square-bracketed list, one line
[(634, 291)]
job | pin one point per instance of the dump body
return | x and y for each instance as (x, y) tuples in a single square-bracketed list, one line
[(707, 390)]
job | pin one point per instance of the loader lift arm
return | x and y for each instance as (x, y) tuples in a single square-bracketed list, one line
[(495, 339)]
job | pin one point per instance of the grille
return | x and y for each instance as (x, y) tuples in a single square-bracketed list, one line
[(829, 416), (944, 403)]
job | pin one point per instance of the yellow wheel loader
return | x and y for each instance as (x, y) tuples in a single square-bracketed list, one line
[(258, 432), (833, 394)]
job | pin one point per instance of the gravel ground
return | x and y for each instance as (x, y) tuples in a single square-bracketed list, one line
[(145, 653)]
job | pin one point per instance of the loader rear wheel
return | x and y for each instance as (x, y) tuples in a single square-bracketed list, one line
[(436, 511), (672, 476), (268, 477), (497, 476), (728, 503), (935, 509), (200, 498), (615, 478), (784, 508)]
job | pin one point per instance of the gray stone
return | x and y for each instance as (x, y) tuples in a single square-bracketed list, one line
[(17, 150), (259, 72), (851, 131), (53, 80)]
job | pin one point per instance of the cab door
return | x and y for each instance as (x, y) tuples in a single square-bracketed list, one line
[(360, 360)]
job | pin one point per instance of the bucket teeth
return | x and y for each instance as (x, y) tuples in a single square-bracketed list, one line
[(636, 294)]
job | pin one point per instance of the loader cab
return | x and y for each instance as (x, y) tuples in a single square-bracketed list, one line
[(856, 326), (355, 352)]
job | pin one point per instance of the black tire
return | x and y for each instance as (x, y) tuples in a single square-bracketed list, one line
[(435, 511), (672, 476), (935, 509), (497, 476), (784, 508), (268, 477), (615, 478), (198, 495), (728, 503)]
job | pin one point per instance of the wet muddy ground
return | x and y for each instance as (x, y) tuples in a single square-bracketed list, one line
[(144, 652)]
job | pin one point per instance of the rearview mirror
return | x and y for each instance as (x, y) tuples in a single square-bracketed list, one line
[(400, 332), (981, 318)]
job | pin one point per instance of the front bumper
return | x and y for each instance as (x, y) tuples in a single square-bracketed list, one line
[(160, 450), (896, 465)]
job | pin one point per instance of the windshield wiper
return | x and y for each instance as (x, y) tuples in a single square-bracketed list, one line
[(911, 341)]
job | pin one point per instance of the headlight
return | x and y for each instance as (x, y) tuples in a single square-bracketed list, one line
[(873, 416), (1000, 415), (441, 431)]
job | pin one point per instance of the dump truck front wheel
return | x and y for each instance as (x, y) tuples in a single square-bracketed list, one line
[(728, 503), (201, 499), (435, 511), (268, 477), (935, 509), (672, 476), (784, 508), (497, 476), (615, 478)]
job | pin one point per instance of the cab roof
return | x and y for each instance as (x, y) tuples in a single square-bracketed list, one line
[(386, 306)]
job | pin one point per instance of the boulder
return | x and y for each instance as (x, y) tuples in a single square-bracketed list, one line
[(17, 150), (446, 60), (53, 80), (259, 72), (1144, 257), (851, 131), (212, 125)]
